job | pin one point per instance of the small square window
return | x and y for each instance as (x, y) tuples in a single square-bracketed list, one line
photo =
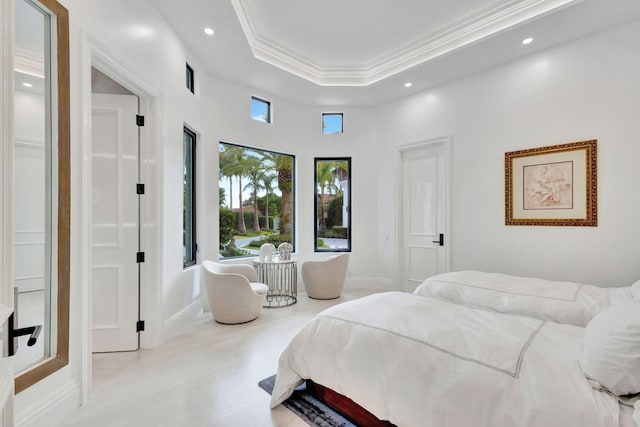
[(331, 122), (190, 82), (260, 110)]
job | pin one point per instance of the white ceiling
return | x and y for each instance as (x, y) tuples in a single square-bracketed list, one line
[(358, 42), (361, 52)]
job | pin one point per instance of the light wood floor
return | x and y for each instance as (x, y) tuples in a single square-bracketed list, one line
[(208, 377)]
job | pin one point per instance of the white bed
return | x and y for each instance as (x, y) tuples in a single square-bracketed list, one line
[(413, 360), (419, 361), (563, 302)]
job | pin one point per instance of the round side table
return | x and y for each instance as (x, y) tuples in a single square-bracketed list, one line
[(282, 279)]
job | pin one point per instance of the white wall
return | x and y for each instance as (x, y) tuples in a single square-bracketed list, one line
[(296, 130), (588, 89)]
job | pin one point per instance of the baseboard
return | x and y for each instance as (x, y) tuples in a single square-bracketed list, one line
[(179, 322), (52, 409)]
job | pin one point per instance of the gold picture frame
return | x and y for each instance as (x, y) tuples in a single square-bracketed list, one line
[(555, 185)]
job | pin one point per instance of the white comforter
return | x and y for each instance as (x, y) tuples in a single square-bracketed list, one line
[(423, 362), (563, 302)]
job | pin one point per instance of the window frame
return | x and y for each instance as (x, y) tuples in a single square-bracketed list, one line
[(190, 79), (269, 118), (293, 193), (347, 201), (341, 123), (190, 257)]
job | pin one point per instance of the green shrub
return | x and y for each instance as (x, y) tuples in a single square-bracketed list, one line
[(227, 226), (230, 252), (340, 232), (327, 234), (248, 217), (262, 222), (274, 239), (334, 212)]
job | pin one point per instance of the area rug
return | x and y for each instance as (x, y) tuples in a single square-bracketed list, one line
[(307, 407)]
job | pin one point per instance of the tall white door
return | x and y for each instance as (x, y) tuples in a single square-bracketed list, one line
[(114, 205), (423, 215)]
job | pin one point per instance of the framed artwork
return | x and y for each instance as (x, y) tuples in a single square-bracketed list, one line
[(555, 185)]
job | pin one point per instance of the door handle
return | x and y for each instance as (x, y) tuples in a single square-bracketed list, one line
[(34, 331), (440, 242), (13, 332)]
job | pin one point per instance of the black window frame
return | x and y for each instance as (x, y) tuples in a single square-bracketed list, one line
[(347, 201), (269, 117), (341, 123), (190, 81), (294, 190), (190, 246)]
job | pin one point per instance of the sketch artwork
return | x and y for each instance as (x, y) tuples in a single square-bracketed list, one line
[(548, 186)]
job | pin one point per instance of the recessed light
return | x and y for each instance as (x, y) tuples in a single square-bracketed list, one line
[(209, 31), (27, 84), (408, 84), (527, 40)]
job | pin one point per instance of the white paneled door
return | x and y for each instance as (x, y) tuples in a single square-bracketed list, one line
[(114, 216), (422, 213)]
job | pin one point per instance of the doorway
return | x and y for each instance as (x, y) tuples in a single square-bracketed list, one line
[(115, 216), (422, 212)]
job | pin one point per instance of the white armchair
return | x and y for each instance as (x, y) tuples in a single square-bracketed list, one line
[(233, 290), (325, 279)]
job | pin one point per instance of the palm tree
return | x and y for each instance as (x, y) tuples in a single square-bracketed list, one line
[(341, 169), (228, 167), (324, 175), (254, 170), (242, 171), (222, 197), (267, 177), (284, 167), (233, 163)]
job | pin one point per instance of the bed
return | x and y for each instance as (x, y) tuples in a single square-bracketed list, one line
[(413, 360), (562, 302)]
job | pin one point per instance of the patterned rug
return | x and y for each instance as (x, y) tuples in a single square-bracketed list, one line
[(307, 407)]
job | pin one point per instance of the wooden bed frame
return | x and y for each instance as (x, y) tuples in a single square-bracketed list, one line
[(345, 406)]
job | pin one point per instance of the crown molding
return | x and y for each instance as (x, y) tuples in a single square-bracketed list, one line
[(500, 16), (29, 63)]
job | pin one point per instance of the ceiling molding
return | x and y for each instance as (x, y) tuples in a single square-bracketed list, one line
[(500, 16), (29, 63)]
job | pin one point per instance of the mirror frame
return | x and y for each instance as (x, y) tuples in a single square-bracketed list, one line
[(61, 359), (315, 205)]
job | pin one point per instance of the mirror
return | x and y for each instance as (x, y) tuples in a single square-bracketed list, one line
[(41, 187), (333, 204)]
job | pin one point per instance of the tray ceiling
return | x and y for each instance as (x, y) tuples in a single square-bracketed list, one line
[(360, 42), (362, 52)]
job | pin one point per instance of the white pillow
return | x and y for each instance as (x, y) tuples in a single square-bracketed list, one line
[(611, 353), (562, 302)]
